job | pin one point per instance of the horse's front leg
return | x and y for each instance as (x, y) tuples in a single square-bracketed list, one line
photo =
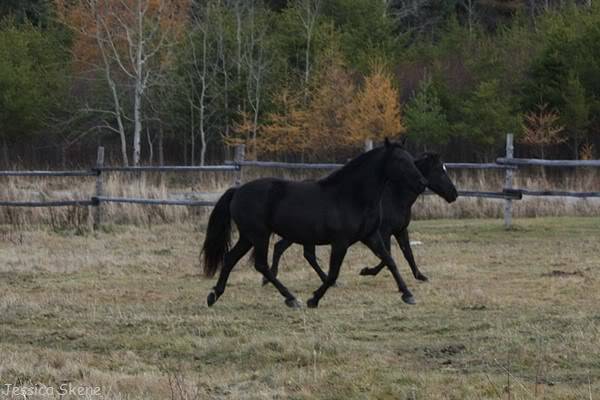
[(375, 243), (404, 243), (366, 271), (338, 252)]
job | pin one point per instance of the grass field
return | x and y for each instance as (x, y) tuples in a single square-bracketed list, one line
[(506, 315)]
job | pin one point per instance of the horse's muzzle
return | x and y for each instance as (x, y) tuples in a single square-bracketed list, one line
[(452, 198)]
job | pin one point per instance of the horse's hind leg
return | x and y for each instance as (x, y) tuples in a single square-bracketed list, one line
[(278, 250), (310, 256), (404, 242), (338, 252), (375, 243), (229, 260), (261, 250), (366, 271)]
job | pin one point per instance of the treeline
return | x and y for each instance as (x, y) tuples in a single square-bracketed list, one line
[(184, 81)]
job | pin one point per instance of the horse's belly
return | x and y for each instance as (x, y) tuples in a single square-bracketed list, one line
[(302, 229), (315, 224)]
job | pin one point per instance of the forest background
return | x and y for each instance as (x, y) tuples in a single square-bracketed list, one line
[(182, 81)]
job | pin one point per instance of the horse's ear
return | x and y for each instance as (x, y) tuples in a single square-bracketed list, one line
[(433, 157), (429, 158), (387, 142)]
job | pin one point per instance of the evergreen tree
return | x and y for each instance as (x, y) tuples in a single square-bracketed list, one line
[(425, 118)]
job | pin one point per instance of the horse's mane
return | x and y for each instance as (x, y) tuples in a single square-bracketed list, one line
[(350, 168)]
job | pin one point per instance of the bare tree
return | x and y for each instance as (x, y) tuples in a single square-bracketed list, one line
[(132, 38), (206, 59), (223, 67), (309, 13), (469, 6), (256, 62)]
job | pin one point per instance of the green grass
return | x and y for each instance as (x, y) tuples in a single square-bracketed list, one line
[(507, 314)]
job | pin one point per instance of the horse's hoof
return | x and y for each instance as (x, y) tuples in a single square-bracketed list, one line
[(312, 303), (409, 299), (211, 299), (265, 281), (422, 277), (366, 271), (293, 303)]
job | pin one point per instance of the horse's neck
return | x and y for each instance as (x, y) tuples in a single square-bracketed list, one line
[(401, 196), (366, 185)]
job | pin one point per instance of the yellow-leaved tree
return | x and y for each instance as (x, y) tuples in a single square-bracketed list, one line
[(337, 115), (331, 106), (541, 128), (289, 130), (316, 124), (376, 113)]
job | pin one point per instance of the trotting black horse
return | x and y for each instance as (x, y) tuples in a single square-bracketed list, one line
[(338, 210), (396, 206)]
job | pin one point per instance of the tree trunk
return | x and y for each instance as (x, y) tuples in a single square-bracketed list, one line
[(238, 36), (137, 127), (307, 62), (203, 99), (185, 150), (113, 90), (5, 154), (225, 85), (192, 134), (137, 110), (63, 156), (139, 89), (161, 151), (202, 131), (118, 112), (203, 148), (150, 147)]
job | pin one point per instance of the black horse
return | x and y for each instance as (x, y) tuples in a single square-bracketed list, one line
[(396, 205), (338, 210)]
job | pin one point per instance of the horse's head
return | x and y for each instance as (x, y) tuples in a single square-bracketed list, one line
[(438, 180), (401, 169)]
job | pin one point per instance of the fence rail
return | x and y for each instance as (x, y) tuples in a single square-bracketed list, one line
[(158, 202), (558, 193), (172, 168), (547, 163), (49, 173), (51, 203), (508, 193)]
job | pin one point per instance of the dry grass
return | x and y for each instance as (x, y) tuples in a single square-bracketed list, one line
[(507, 315), (159, 186)]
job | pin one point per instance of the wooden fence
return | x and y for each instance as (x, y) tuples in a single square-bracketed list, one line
[(508, 193)]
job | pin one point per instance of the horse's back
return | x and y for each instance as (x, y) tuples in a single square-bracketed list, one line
[(250, 203), (303, 212)]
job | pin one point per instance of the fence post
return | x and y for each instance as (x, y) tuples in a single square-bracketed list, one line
[(238, 158), (508, 182), (99, 187), (368, 145)]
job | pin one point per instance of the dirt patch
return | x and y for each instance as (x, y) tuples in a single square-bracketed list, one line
[(557, 273)]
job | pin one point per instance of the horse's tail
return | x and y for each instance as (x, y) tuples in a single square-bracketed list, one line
[(218, 234)]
